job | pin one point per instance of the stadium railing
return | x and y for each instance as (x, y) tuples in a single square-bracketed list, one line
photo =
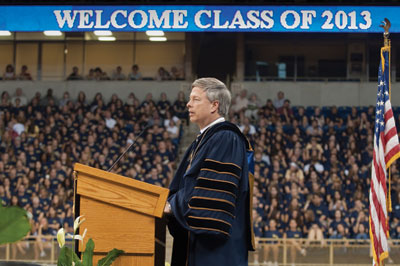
[(329, 252)]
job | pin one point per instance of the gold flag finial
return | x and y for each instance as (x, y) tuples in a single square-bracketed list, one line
[(386, 26)]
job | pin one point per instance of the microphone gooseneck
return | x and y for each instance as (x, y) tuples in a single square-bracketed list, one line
[(130, 146)]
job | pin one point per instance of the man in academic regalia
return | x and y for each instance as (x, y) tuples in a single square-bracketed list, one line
[(209, 206)]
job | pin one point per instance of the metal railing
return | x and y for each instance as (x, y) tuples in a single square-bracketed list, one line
[(32, 249), (269, 251)]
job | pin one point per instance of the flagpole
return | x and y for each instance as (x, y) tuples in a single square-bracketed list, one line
[(386, 27), (386, 45)]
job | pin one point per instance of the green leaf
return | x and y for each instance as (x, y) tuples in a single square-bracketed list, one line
[(14, 224), (110, 257), (88, 254), (65, 257)]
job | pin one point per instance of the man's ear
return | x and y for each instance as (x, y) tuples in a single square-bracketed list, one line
[(214, 106)]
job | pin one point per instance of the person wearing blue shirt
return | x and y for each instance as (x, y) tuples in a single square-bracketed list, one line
[(271, 232), (295, 245)]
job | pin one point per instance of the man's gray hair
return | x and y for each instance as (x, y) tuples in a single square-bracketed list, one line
[(215, 91)]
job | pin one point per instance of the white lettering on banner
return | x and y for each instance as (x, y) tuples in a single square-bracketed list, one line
[(267, 16), (197, 19), (308, 15), (67, 18), (179, 15), (296, 21), (113, 19), (253, 16), (299, 20), (84, 19), (143, 16), (237, 20), (341, 19), (367, 17), (217, 23), (98, 21), (162, 22), (328, 25), (353, 25)]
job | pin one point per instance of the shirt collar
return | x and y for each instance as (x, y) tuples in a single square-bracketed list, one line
[(218, 120)]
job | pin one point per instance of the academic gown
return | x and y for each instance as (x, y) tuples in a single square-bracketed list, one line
[(210, 200)]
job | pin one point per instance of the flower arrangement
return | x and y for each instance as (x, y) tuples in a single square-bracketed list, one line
[(68, 257)]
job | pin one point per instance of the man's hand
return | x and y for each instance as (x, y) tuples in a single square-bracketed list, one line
[(167, 209)]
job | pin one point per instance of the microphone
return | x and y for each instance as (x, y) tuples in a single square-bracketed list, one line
[(130, 146)]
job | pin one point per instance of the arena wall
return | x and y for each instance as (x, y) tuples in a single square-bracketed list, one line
[(299, 93)]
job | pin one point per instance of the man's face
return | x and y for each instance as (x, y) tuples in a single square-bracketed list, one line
[(201, 110)]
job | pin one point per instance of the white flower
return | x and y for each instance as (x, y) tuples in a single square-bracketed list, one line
[(79, 237), (78, 222), (61, 237)]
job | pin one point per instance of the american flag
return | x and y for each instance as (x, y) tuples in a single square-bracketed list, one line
[(386, 151)]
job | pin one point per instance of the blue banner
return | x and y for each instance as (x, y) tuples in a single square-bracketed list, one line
[(199, 18)]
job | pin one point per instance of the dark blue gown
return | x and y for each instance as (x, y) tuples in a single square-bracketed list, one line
[(210, 198)]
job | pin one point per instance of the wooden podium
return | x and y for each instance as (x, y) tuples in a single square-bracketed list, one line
[(121, 213)]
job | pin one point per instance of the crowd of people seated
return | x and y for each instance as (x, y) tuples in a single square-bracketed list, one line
[(42, 138), (312, 164), (134, 74), (97, 73), (312, 169)]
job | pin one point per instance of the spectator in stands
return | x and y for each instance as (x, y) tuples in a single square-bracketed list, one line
[(19, 95), (65, 99), (5, 100), (135, 73), (179, 107), (316, 215), (247, 128), (163, 105), (285, 112), (271, 232), (295, 245), (162, 74), (100, 75), (75, 74), (9, 74), (49, 98), (91, 75), (240, 102), (117, 74), (253, 107), (81, 101), (24, 75), (17, 126), (42, 241), (177, 74), (280, 100)]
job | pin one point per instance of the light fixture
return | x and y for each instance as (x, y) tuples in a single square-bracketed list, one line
[(107, 38), (52, 33), (102, 33), (158, 39), (155, 33), (5, 33)]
